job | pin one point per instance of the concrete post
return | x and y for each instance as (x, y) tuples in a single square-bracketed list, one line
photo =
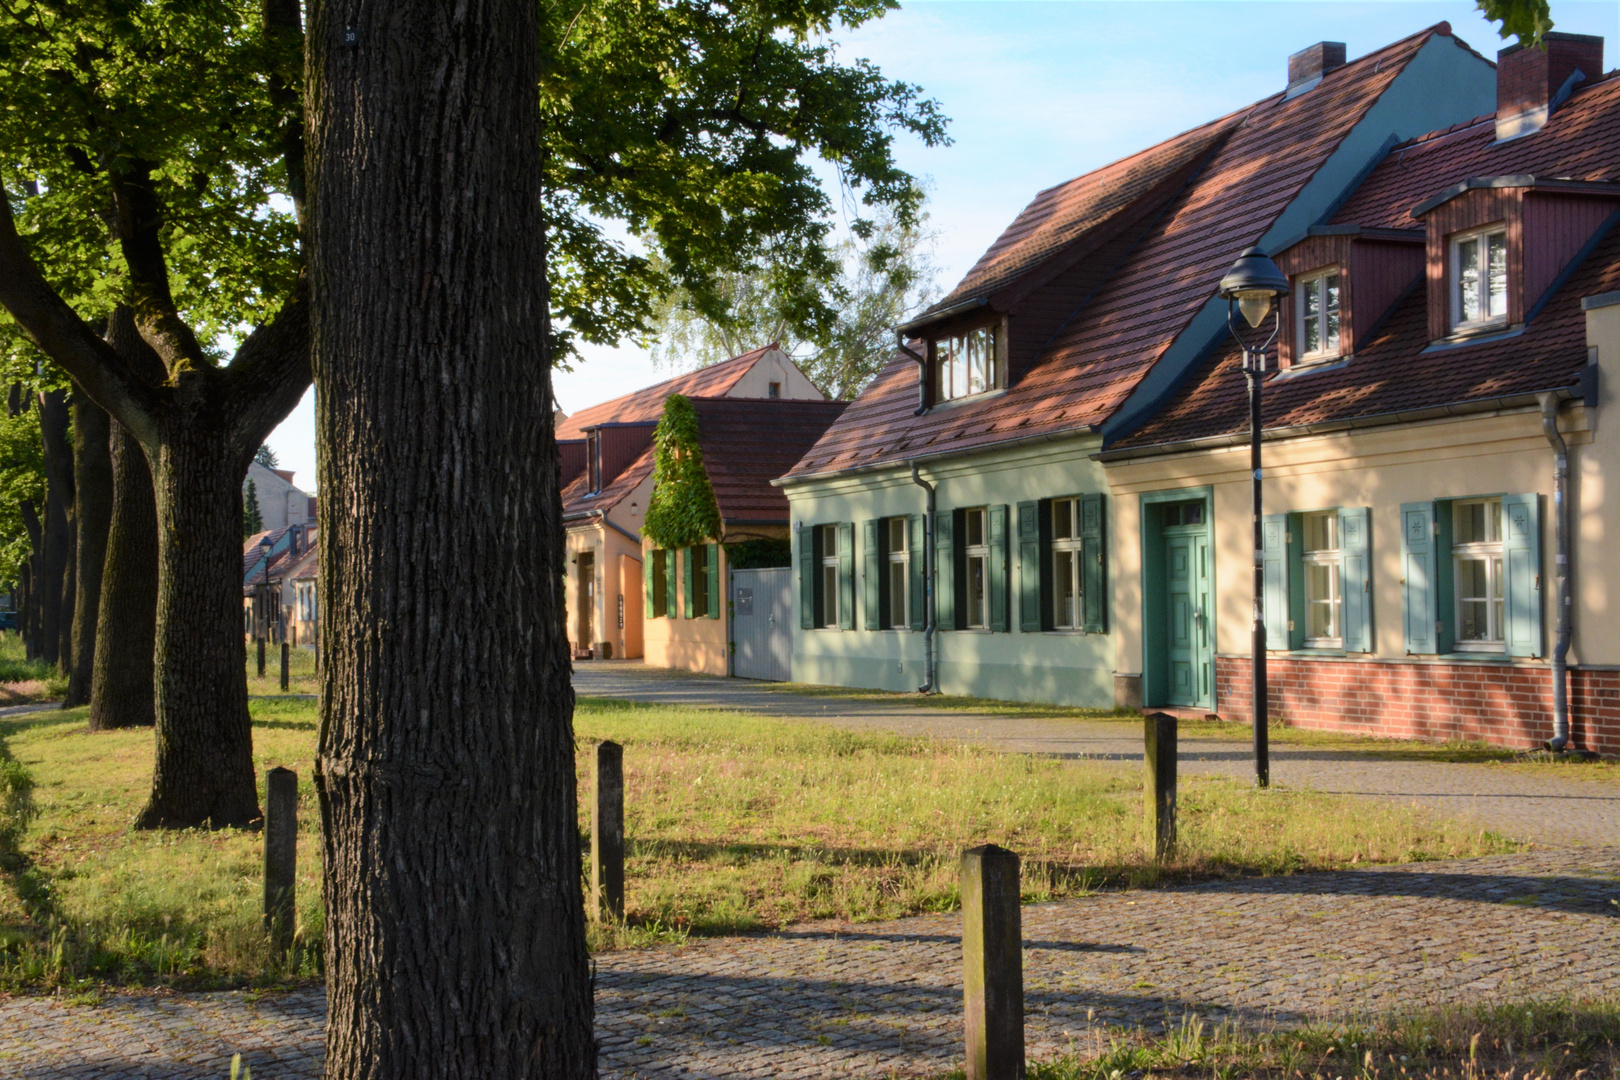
[(1159, 784), (280, 855), (607, 834), (993, 964), (261, 657), (286, 662)]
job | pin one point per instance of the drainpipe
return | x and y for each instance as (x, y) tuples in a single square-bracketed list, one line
[(922, 376), (932, 685), (1560, 675)]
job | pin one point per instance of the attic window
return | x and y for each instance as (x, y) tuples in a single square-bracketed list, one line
[(1479, 277), (773, 390), (1316, 315), (967, 364), (593, 460)]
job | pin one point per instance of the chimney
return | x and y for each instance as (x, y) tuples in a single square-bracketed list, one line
[(1532, 82), (1306, 67)]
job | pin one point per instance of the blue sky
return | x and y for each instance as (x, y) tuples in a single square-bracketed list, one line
[(1042, 92)]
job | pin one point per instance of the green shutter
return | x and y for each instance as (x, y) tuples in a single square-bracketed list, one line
[(1355, 578), (1521, 566), (671, 598), (713, 554), (1419, 578), (807, 577), (872, 571), (1274, 566), (846, 575), (1030, 557), (688, 585), (996, 526), (1094, 563), (944, 573), (647, 580), (919, 551)]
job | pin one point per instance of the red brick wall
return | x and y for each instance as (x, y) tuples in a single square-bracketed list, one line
[(1505, 704)]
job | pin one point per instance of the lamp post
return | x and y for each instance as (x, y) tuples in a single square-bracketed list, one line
[(1251, 287)]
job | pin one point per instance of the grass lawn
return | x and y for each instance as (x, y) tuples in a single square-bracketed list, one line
[(22, 680), (735, 823), (300, 680)]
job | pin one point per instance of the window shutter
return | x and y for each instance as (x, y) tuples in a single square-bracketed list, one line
[(671, 597), (846, 575), (996, 524), (944, 572), (1419, 578), (713, 555), (647, 580), (688, 586), (1355, 577), (919, 552), (1521, 566), (1094, 564), (1030, 558), (807, 578), (1274, 566), (872, 568)]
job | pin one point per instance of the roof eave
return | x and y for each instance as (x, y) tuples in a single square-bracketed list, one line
[(907, 459)]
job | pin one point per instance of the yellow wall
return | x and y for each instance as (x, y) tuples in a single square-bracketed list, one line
[(691, 644), (608, 546)]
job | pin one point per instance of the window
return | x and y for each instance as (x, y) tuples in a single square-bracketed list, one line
[(1067, 587), (1479, 278), (657, 584), (1476, 555), (1187, 513), (829, 576), (966, 364), (899, 571), (593, 459), (1322, 578), (699, 592), (1316, 323), (976, 548), (773, 390)]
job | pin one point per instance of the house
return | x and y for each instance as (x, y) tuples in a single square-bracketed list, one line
[(305, 613), (744, 444), (607, 463), (269, 559), (1093, 308), (1450, 346), (281, 502)]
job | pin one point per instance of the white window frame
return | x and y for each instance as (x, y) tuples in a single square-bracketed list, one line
[(899, 571), (968, 364), (829, 577), (1456, 243), (1490, 552), (978, 615), (1066, 551), (1331, 558), (1302, 287)]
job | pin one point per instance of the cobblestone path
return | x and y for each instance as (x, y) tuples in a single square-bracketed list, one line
[(884, 999)]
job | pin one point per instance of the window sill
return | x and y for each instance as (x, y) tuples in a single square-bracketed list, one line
[(955, 403), (1479, 335), (1299, 369)]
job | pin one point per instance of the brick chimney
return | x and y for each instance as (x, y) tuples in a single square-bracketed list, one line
[(1532, 82), (1306, 67)]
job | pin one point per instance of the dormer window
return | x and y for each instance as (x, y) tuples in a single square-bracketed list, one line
[(1316, 318), (1479, 277), (593, 460), (967, 364)]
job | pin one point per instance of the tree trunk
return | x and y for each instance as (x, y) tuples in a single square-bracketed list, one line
[(121, 689), (203, 774), (92, 513), (455, 933), (57, 541)]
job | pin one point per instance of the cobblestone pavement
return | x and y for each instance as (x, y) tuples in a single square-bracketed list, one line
[(1549, 806), (884, 999)]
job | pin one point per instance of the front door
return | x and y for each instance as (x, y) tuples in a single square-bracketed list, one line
[(587, 599), (1187, 595)]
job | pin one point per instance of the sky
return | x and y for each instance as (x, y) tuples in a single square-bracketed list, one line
[(1041, 92)]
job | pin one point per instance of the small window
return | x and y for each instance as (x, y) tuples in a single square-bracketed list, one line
[(1316, 323), (1479, 278), (899, 574), (1068, 610), (700, 581), (773, 390), (593, 460), (829, 576), (1187, 513), (977, 551), (1323, 603), (1476, 555), (660, 583), (966, 364)]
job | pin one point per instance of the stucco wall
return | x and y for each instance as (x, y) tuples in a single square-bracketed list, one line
[(775, 366), (698, 645), (606, 545)]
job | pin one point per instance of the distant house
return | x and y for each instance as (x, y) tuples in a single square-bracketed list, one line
[(305, 616), (270, 559), (607, 465), (281, 502)]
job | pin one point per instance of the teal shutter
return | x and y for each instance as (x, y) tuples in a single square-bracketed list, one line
[(647, 577), (846, 575), (1419, 578), (996, 524), (1355, 578), (688, 586), (1274, 564), (1029, 567), (872, 568), (807, 578), (919, 551), (712, 553), (944, 572), (1521, 566), (1093, 564)]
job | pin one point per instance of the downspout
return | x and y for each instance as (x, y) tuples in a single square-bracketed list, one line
[(922, 378), (1560, 659), (931, 686)]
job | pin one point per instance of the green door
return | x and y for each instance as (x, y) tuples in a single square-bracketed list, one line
[(1187, 606)]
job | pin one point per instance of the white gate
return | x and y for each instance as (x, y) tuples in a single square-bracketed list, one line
[(761, 623)]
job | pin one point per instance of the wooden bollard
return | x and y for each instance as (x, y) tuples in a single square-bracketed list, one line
[(607, 834), (280, 855), (1159, 784), (261, 658), (286, 663), (993, 964)]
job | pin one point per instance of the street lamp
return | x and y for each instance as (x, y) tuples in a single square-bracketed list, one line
[(1251, 288)]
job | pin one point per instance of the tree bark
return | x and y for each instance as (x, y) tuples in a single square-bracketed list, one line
[(455, 940), (92, 513), (57, 540), (121, 688)]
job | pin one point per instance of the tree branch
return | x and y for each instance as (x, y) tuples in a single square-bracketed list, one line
[(270, 373), (138, 219)]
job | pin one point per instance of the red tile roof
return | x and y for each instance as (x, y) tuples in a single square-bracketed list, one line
[(577, 498), (1394, 373), (747, 443), (646, 404), (1098, 359)]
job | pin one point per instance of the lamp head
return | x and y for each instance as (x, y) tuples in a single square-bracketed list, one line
[(1255, 283)]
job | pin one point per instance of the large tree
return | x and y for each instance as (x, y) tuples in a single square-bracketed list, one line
[(140, 146)]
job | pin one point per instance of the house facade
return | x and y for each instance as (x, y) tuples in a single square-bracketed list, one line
[(281, 502), (270, 562), (971, 472)]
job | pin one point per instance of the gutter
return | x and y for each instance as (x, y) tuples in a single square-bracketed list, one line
[(939, 455), (931, 680), (602, 519)]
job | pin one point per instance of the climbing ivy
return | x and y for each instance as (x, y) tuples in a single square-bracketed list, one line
[(682, 510)]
